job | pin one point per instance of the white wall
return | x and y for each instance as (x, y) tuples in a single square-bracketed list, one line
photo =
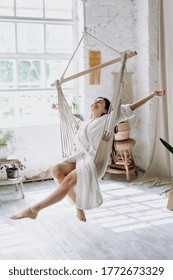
[(146, 74), (112, 23), (127, 25), (122, 25)]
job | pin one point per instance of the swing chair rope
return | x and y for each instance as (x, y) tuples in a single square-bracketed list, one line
[(104, 149), (68, 123), (85, 33), (72, 56), (102, 42)]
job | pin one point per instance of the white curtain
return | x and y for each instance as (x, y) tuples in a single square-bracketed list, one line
[(160, 169)]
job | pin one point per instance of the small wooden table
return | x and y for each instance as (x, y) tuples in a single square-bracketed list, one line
[(123, 161), (8, 161), (18, 181)]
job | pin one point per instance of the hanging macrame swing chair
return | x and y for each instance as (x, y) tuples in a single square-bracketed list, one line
[(69, 124)]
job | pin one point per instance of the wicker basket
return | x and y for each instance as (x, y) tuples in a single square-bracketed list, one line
[(123, 131)]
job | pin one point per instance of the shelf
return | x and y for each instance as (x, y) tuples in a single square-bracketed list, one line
[(8, 161)]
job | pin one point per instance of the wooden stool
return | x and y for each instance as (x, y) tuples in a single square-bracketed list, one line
[(122, 158)]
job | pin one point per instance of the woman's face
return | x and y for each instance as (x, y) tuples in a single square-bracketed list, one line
[(98, 107)]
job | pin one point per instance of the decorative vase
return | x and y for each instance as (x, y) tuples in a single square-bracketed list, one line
[(12, 173), (123, 131)]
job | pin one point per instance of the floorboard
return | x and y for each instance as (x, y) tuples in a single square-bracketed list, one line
[(132, 224)]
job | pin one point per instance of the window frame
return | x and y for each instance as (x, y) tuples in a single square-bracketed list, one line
[(41, 56)]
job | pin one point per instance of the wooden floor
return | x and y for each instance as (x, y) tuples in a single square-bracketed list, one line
[(132, 224)]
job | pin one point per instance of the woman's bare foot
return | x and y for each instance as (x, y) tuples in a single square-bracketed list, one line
[(81, 215), (27, 213)]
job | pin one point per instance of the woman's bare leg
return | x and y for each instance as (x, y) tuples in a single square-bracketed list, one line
[(68, 182), (59, 171), (79, 212)]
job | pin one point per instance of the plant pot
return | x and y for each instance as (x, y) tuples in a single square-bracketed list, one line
[(123, 131), (12, 173)]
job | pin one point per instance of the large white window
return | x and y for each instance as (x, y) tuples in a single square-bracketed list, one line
[(37, 39)]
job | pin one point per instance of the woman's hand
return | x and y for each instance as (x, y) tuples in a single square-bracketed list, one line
[(159, 93), (54, 106)]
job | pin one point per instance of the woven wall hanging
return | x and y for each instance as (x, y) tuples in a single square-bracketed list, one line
[(94, 60)]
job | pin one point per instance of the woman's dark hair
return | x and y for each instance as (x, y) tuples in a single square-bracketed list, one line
[(107, 103)]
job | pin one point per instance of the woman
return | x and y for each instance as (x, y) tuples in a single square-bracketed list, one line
[(79, 169)]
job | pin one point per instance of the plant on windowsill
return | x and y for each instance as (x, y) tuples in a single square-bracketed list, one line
[(12, 169), (5, 139)]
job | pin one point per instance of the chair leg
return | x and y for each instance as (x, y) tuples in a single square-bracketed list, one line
[(21, 187), (126, 165), (17, 187)]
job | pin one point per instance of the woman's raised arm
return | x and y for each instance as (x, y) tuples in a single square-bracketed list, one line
[(139, 103)]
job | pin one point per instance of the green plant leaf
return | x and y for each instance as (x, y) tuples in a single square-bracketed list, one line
[(168, 147), (5, 138)]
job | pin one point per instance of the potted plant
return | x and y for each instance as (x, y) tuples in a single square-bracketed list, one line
[(5, 138), (170, 200), (12, 169), (168, 146)]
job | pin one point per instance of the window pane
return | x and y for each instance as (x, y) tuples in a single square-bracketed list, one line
[(54, 71), (59, 38), (7, 7), (6, 74), (30, 38), (31, 8), (35, 107), (58, 9), (27, 107), (29, 72), (7, 37)]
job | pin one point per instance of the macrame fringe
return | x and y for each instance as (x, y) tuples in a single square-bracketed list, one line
[(94, 60)]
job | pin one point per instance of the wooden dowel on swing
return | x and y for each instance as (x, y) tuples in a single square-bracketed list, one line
[(75, 76)]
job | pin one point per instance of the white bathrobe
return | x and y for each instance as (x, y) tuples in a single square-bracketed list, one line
[(88, 194)]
